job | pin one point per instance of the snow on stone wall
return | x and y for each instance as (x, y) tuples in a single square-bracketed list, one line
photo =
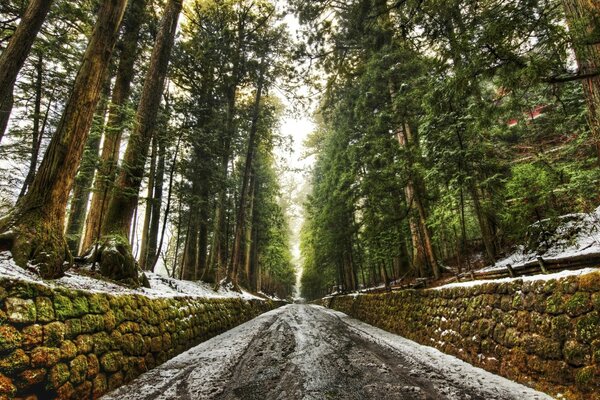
[(63, 343), (544, 333)]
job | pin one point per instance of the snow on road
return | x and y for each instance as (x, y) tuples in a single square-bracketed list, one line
[(309, 352)]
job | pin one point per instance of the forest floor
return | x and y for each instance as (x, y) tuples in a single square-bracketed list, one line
[(84, 279), (309, 352)]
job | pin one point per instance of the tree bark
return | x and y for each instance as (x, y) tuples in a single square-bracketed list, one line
[(15, 54), (148, 209), (583, 18), (236, 256), (39, 126), (167, 211), (117, 117), (36, 223), (126, 191), (85, 176), (248, 272), (156, 205)]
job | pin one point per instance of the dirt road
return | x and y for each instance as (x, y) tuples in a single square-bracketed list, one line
[(308, 352)]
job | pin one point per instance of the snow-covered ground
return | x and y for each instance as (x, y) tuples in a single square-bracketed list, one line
[(567, 236), (161, 286), (539, 277), (309, 353)]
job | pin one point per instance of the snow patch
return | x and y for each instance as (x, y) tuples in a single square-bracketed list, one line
[(540, 277), (161, 286)]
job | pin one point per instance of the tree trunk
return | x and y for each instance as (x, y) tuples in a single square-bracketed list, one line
[(126, 191), (236, 256), (486, 234), (85, 176), (419, 228), (583, 17), (116, 121), (5, 109), (15, 54), (216, 257), (38, 128), (148, 209), (36, 223), (248, 272), (167, 211), (156, 205)]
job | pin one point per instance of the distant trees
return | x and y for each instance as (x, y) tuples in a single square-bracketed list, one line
[(417, 167)]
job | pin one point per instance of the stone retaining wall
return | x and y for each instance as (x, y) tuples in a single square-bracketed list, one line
[(59, 343), (545, 334)]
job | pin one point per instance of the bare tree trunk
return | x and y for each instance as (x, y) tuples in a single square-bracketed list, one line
[(36, 223), (116, 121), (583, 17), (15, 54)]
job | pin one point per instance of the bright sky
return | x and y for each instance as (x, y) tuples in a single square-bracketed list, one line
[(295, 166)]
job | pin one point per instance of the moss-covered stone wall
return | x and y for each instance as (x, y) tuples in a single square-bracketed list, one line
[(545, 334), (58, 343)]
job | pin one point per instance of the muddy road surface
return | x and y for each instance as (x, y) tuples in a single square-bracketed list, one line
[(309, 352)]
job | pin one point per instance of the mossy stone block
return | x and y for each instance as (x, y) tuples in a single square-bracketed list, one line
[(45, 356), (45, 309), (80, 306), (99, 386), (63, 307), (54, 334), (91, 323), (83, 390), (14, 362), (576, 354), (133, 344), (588, 327), (78, 368), (84, 343), (578, 304), (10, 339), (7, 387), (98, 303), (110, 321), (555, 304), (20, 311), (111, 362), (74, 328), (93, 365), (32, 336), (68, 350), (102, 343), (30, 377), (584, 376), (590, 282), (59, 375)]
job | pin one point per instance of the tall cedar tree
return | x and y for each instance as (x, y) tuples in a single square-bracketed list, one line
[(107, 168), (114, 253), (33, 230)]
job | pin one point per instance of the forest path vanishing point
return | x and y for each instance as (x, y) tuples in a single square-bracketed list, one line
[(309, 352)]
